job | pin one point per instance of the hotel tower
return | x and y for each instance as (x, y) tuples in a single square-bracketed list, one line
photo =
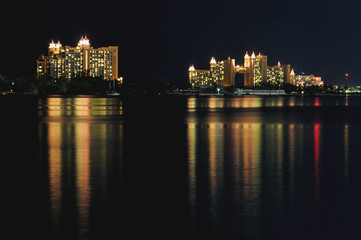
[(80, 61), (255, 72)]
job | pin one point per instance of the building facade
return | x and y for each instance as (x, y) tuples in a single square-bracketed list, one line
[(279, 74), (255, 71), (307, 80), (216, 76), (80, 61)]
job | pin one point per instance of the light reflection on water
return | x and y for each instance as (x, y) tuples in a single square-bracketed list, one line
[(213, 103), (250, 174), (80, 107), (78, 145), (253, 166)]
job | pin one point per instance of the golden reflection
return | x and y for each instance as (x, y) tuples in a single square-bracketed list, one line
[(80, 107), (279, 102), (243, 144), (292, 102), (216, 148), (82, 154), (55, 170), (192, 175), (247, 148), (251, 102), (54, 107), (100, 130), (235, 141), (192, 104), (234, 103), (280, 140), (251, 144), (214, 103), (71, 154)]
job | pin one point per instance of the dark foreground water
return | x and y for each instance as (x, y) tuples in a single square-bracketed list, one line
[(184, 167)]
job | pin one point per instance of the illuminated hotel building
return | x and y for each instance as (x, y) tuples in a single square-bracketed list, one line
[(255, 71), (220, 74), (308, 80), (278, 74), (80, 61), (292, 77)]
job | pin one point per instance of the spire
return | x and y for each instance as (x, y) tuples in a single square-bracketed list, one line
[(191, 68), (84, 42), (253, 55), (52, 44), (292, 72), (279, 64), (246, 56), (58, 45), (213, 60)]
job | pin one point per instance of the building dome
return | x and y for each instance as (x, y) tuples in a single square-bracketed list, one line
[(84, 41), (52, 44), (58, 45)]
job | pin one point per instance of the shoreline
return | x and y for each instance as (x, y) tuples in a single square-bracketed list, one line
[(186, 95)]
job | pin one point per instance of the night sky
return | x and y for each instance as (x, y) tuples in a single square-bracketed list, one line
[(158, 40)]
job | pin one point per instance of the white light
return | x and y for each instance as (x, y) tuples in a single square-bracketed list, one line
[(84, 41)]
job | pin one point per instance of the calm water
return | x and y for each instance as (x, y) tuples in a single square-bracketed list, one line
[(184, 167)]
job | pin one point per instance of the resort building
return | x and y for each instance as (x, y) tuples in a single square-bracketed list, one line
[(307, 80), (279, 74), (256, 69), (220, 74), (255, 72), (80, 61)]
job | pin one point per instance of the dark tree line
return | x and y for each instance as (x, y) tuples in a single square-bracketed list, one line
[(20, 84), (49, 85), (76, 85)]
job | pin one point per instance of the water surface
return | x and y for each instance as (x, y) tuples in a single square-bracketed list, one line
[(200, 167)]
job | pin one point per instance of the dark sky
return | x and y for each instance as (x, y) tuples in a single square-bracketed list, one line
[(158, 40)]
